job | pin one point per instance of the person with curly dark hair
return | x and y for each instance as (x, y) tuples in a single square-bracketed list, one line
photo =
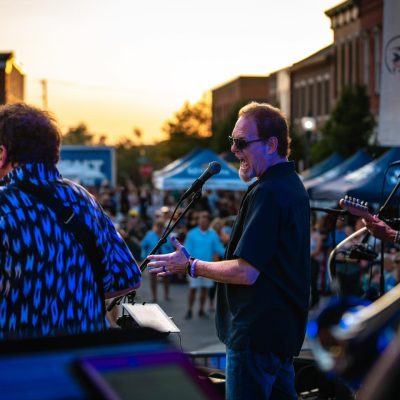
[(60, 255)]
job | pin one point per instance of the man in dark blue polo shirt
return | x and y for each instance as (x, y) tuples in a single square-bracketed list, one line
[(263, 289)]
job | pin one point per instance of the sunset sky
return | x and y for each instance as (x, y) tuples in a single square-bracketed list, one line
[(120, 64)]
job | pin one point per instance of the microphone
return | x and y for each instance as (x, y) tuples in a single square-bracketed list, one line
[(213, 168)]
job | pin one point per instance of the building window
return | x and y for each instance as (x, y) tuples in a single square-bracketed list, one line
[(315, 98), (310, 96), (319, 98), (343, 66), (326, 97), (296, 102), (356, 57), (366, 61), (350, 63), (377, 60), (303, 101)]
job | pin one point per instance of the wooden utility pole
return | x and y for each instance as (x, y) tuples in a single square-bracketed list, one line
[(44, 93)]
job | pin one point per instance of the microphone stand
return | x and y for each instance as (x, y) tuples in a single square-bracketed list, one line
[(196, 195)]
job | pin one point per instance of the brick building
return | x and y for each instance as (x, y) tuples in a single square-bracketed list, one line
[(236, 92), (311, 88), (357, 28), (12, 79)]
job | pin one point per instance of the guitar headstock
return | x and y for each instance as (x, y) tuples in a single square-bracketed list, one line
[(355, 207)]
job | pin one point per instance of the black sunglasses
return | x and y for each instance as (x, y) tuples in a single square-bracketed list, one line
[(242, 143)]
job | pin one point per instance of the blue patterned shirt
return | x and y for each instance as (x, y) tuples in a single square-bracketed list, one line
[(47, 285)]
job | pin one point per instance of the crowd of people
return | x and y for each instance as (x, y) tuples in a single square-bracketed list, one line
[(141, 215), (357, 265), (61, 254)]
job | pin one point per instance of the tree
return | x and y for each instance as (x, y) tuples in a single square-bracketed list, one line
[(349, 128), (190, 127), (298, 147), (127, 156), (78, 135), (223, 129)]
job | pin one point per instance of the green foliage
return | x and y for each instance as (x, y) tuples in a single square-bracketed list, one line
[(297, 146), (190, 127), (126, 159), (349, 128), (78, 135), (222, 130)]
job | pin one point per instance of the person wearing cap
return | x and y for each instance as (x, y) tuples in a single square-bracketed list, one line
[(264, 281)]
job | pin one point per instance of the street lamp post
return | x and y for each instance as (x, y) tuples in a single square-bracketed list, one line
[(308, 124)]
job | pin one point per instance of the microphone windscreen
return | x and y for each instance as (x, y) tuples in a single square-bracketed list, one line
[(215, 167)]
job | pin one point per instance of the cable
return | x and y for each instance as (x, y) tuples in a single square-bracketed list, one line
[(180, 341)]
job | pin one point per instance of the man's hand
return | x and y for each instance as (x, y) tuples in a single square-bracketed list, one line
[(379, 229), (171, 263)]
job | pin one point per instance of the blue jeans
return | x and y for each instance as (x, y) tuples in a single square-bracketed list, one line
[(251, 375)]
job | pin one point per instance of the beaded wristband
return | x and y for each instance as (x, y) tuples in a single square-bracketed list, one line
[(192, 269)]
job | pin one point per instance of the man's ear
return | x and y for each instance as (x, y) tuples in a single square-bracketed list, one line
[(3, 156), (273, 144)]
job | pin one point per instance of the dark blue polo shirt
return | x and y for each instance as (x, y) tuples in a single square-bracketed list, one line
[(272, 233)]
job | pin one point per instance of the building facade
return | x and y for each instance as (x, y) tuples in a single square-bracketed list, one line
[(279, 90), (357, 47), (237, 92), (310, 88), (12, 79)]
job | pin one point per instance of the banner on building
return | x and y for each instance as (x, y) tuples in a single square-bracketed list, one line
[(389, 113)]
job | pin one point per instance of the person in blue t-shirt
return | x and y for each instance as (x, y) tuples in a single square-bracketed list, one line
[(202, 242), (150, 239)]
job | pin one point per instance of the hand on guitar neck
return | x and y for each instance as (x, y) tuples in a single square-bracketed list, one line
[(375, 226)]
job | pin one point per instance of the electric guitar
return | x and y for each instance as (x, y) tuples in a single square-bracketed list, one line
[(356, 207)]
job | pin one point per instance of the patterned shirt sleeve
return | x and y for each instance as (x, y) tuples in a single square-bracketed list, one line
[(121, 269)]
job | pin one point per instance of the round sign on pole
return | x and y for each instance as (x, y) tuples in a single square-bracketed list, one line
[(145, 170)]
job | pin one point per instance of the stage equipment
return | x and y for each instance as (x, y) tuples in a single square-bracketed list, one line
[(350, 335), (151, 315)]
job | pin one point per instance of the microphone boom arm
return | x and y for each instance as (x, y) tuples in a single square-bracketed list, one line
[(143, 265)]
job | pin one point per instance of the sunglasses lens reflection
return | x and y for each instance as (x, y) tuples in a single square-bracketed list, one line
[(239, 143)]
